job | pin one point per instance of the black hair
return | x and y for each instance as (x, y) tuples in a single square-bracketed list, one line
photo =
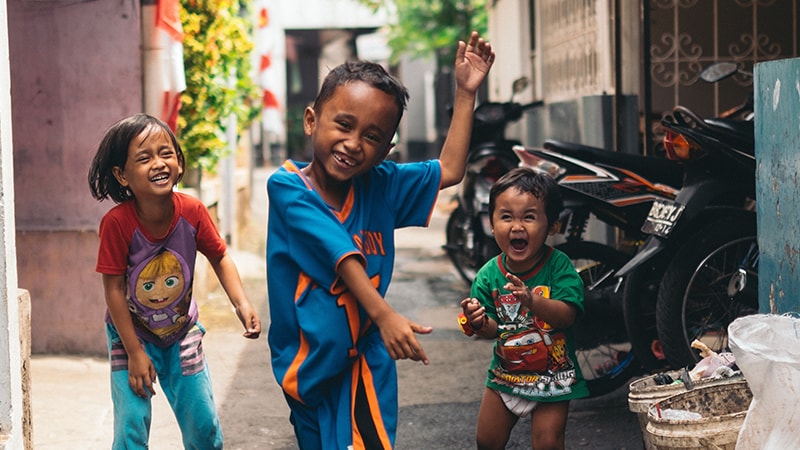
[(368, 72), (113, 152), (540, 185)]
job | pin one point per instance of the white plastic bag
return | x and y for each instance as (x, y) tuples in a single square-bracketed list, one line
[(767, 350)]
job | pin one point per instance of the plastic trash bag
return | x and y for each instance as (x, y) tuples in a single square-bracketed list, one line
[(767, 350)]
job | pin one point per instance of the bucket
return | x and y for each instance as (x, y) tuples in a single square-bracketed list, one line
[(721, 407), (645, 392)]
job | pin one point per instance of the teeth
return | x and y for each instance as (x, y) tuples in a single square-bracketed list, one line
[(344, 161), (159, 178)]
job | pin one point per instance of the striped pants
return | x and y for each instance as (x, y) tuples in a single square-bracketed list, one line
[(183, 377)]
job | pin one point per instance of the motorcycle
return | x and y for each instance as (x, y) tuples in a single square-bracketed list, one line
[(682, 283), (469, 241), (617, 189)]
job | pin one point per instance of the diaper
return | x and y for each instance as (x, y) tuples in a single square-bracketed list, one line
[(519, 406)]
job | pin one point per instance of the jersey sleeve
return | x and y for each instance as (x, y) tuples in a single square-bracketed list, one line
[(412, 188)]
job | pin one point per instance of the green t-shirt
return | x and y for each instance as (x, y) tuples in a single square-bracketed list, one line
[(531, 359)]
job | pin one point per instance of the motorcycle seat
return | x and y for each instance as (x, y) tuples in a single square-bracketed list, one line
[(738, 133), (659, 170)]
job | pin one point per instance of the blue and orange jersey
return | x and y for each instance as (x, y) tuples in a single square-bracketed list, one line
[(315, 322)]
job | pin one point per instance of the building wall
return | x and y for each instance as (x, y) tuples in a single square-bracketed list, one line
[(75, 69)]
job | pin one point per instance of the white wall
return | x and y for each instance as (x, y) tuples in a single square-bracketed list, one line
[(11, 408)]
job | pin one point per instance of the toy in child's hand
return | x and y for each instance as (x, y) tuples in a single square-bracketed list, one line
[(466, 327)]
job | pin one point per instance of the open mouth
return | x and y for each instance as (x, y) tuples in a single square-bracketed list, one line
[(518, 244), (156, 301), (342, 160), (160, 178)]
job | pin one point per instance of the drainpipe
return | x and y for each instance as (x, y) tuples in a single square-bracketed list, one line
[(151, 57)]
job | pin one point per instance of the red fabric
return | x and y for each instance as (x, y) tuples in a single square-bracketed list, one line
[(269, 100), (266, 62), (170, 110), (168, 18), (263, 18)]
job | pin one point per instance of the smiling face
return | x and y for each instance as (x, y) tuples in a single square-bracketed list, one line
[(350, 133), (152, 167), (520, 227), (161, 282)]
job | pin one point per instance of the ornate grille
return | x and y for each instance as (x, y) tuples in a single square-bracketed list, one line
[(688, 35), (573, 32)]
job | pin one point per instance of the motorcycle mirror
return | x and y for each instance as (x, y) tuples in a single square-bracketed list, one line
[(719, 71), (519, 85)]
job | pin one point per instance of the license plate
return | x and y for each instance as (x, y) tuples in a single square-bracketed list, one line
[(662, 218)]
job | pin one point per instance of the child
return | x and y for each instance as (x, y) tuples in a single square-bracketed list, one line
[(330, 251), (527, 298), (148, 246)]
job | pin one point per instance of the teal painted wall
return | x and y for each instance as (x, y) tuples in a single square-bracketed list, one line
[(777, 135)]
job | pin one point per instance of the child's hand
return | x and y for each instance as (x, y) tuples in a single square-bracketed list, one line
[(520, 291), (252, 324), (141, 374), (398, 332), (473, 310), (473, 60)]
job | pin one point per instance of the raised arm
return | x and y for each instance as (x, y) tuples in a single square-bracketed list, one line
[(473, 60)]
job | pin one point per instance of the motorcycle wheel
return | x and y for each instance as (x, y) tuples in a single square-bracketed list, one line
[(639, 296), (467, 247), (693, 299), (603, 349)]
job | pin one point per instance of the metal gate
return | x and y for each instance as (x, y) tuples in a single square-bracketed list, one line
[(682, 37)]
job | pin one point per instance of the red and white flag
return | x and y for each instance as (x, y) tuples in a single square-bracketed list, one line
[(169, 37)]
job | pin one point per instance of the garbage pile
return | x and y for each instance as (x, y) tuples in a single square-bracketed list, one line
[(692, 407), (713, 366)]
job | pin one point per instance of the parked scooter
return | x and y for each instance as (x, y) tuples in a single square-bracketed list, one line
[(680, 286), (469, 241), (617, 189)]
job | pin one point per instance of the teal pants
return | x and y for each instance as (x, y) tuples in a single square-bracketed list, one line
[(183, 376)]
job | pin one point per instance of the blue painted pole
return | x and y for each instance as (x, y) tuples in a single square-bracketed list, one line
[(777, 137)]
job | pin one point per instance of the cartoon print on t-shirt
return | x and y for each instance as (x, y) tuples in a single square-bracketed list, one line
[(527, 343), (161, 298)]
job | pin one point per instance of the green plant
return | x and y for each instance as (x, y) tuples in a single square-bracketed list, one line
[(425, 28), (217, 49)]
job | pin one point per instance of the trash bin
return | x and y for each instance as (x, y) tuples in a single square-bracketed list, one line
[(767, 350), (645, 392), (705, 417)]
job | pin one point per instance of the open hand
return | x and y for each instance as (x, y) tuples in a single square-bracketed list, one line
[(473, 60), (520, 291)]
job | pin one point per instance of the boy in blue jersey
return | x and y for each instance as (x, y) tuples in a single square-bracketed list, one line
[(330, 251)]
